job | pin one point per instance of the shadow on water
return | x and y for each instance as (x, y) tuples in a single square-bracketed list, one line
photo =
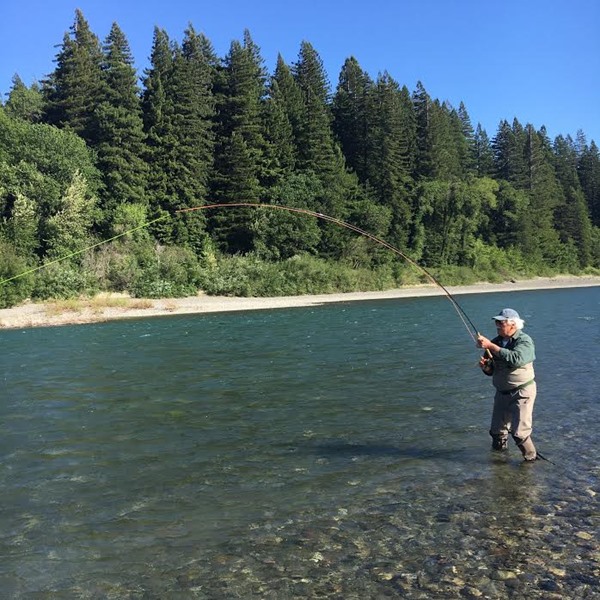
[(374, 450)]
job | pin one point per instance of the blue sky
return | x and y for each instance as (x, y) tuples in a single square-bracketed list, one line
[(536, 60)]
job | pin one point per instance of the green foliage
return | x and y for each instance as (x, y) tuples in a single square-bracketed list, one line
[(21, 227), (316, 148), (23, 102), (120, 136), (12, 265), (62, 281), (172, 272), (249, 276), (495, 265), (68, 230), (91, 156), (281, 234), (76, 84), (352, 118), (39, 162)]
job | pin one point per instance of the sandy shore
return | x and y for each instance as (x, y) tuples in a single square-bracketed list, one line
[(108, 308)]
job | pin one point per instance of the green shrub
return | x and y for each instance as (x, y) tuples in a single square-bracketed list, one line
[(174, 272), (305, 274), (12, 265), (63, 280)]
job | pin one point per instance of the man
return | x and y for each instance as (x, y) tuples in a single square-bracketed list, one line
[(509, 360)]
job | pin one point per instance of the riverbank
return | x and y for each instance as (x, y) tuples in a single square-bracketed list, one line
[(116, 306)]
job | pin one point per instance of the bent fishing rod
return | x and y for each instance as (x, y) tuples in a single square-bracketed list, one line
[(467, 322)]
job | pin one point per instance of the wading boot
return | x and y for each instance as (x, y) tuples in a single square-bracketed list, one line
[(499, 443), (527, 449)]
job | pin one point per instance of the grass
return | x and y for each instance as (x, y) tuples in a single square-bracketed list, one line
[(96, 304)]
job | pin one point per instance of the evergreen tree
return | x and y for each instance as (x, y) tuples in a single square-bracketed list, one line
[(483, 153), (588, 169), (120, 144), (241, 157), (289, 95), (509, 154), (236, 181), (541, 240), (25, 102), (467, 141), (192, 122), (450, 215), (572, 218), (280, 150), (179, 111), (351, 116), (160, 140), (75, 88), (423, 105), (316, 149), (392, 139), (506, 227), (449, 150)]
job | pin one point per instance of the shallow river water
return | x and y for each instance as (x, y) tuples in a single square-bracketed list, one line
[(338, 452)]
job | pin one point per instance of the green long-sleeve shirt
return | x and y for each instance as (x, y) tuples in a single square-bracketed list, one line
[(513, 366)]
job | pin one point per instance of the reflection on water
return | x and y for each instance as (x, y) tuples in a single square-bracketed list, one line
[(333, 452)]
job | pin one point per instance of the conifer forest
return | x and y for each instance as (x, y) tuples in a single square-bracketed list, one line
[(97, 151)]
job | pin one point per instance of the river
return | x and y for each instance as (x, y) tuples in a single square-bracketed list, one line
[(339, 451)]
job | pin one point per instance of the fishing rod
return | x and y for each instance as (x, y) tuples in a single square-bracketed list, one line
[(467, 322), (464, 317)]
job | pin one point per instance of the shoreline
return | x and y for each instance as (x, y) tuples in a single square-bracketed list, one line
[(118, 306)]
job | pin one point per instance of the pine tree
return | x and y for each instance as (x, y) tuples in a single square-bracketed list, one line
[(572, 218), (541, 239), (179, 110), (509, 154), (350, 111), (588, 169), (483, 153), (156, 114), (280, 152), (237, 182), (241, 164), (290, 96), (467, 142), (506, 226), (316, 150), (192, 122), (423, 106), (392, 139), (25, 102), (120, 144), (75, 88)]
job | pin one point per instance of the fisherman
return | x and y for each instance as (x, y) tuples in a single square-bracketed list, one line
[(508, 358)]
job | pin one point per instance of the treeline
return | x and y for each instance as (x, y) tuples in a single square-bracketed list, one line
[(89, 154)]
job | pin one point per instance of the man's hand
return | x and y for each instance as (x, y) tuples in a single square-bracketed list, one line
[(483, 342), (486, 365)]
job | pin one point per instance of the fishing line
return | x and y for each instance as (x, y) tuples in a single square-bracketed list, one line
[(469, 325), (77, 252)]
